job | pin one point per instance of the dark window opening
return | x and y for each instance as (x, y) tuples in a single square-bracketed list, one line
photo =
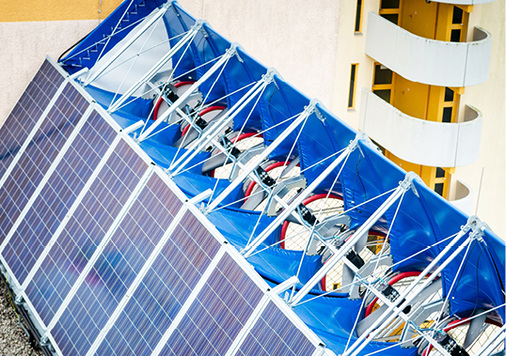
[(449, 94), (358, 16), (455, 36), (383, 94), (382, 75), (447, 114), (394, 18), (439, 188), (351, 96), (390, 4), (440, 172), (458, 15)]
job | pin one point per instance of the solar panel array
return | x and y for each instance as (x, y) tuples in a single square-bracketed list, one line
[(106, 254)]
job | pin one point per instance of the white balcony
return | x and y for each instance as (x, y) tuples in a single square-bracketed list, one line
[(450, 64), (462, 197), (419, 141)]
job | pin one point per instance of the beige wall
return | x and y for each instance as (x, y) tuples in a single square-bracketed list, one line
[(24, 46), (489, 98), (312, 44), (297, 37)]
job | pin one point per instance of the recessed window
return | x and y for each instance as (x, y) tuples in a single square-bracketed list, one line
[(390, 4), (358, 17), (458, 15), (394, 18), (449, 94), (382, 82), (382, 75), (440, 172), (383, 94), (353, 84), (447, 114), (455, 35), (439, 188)]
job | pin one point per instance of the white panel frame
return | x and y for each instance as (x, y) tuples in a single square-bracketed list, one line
[(40, 187)]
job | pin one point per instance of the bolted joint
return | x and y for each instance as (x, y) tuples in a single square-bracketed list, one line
[(268, 77), (477, 227), (197, 25), (407, 183)]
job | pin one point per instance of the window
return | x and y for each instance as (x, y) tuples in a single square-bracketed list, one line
[(458, 25), (391, 10), (353, 84), (441, 181), (383, 82), (358, 17), (450, 105)]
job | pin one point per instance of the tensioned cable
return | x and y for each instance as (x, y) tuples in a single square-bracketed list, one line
[(228, 155), (131, 66), (127, 102), (133, 24), (113, 32), (230, 94), (108, 70), (234, 144), (196, 115), (457, 276), (380, 253), (312, 234), (394, 344), (161, 93), (425, 249), (355, 323), (204, 107)]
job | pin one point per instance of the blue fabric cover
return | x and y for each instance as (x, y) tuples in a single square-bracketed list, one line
[(111, 31), (423, 218)]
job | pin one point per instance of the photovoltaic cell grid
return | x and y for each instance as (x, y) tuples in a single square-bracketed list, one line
[(58, 195), (26, 113), (85, 230), (117, 267), (163, 291), (39, 155), (218, 314), (275, 334), (215, 317)]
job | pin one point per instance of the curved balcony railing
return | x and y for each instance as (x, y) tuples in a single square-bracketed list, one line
[(463, 197), (428, 143), (450, 64)]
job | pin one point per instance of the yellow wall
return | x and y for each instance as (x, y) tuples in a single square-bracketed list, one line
[(55, 10)]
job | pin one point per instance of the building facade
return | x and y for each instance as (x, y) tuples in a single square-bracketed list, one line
[(425, 80)]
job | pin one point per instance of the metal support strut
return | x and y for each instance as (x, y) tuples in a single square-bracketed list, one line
[(404, 300), (250, 248)]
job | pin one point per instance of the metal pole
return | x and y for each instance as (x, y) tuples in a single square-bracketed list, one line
[(248, 250), (211, 131), (260, 158), (156, 68), (375, 328), (134, 38), (229, 53), (363, 229)]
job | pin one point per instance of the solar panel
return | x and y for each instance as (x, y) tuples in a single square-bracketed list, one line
[(39, 155), (218, 314), (275, 334), (57, 196), (85, 230), (27, 112), (119, 264), (108, 257)]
